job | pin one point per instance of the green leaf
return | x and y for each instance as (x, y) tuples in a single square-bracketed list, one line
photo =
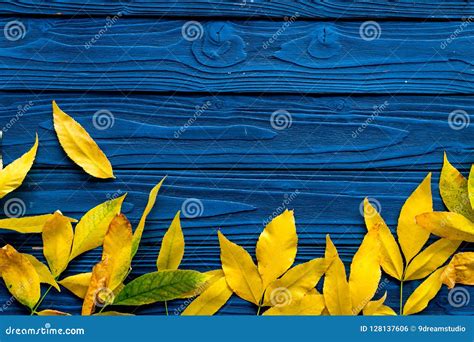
[(159, 286)]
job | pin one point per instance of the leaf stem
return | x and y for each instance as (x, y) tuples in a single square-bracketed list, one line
[(258, 310), (401, 297), (33, 311), (166, 308)]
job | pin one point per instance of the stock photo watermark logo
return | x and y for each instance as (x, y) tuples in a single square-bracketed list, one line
[(280, 296), (21, 110), (287, 22), (103, 297), (287, 199), (458, 119), (199, 110), (281, 119), (192, 208), (14, 30), (377, 110), (103, 119), (371, 211), (109, 22), (459, 297), (370, 30), (460, 29), (192, 30), (14, 207)]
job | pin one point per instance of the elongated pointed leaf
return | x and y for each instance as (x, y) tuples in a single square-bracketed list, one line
[(447, 225), (172, 247), (159, 286), (240, 271), (97, 286), (91, 229), (211, 300), (424, 293), (377, 308), (12, 176), (276, 247), (57, 242), (27, 224), (431, 258), (411, 236), (79, 146), (311, 304), (43, 272), (78, 283), (460, 270), (51, 312)]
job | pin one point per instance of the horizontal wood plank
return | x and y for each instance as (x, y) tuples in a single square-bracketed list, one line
[(248, 132), (247, 8), (296, 56)]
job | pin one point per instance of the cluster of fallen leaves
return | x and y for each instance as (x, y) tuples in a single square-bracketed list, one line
[(274, 284)]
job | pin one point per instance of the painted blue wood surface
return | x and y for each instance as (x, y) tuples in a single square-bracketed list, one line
[(200, 112)]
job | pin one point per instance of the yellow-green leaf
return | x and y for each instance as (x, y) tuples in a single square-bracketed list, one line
[(12, 176), (79, 146), (51, 312), (336, 289), (172, 247), (91, 229), (391, 258), (97, 286), (453, 188), (295, 283), (137, 235), (212, 277), (411, 236), (240, 271), (460, 270), (311, 304), (27, 224), (20, 276), (57, 242), (365, 271), (377, 308), (447, 225), (117, 250), (276, 247), (78, 283), (425, 292), (211, 300), (431, 258), (43, 272)]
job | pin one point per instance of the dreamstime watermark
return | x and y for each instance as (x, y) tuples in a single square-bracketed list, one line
[(14, 207), (9, 302), (192, 30), (372, 210), (103, 119), (281, 296), (199, 110), (458, 119), (21, 110), (287, 22), (288, 198), (370, 30), (458, 297), (14, 30), (377, 110), (192, 208), (460, 29), (109, 22), (47, 329), (281, 119), (114, 195), (103, 297)]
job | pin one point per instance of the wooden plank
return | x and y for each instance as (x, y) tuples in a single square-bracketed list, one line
[(237, 56), (235, 202), (238, 132), (247, 8)]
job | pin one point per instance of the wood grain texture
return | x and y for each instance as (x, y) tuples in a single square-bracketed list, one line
[(247, 8), (237, 132), (237, 56), (236, 202)]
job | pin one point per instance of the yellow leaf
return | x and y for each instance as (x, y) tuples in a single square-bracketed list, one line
[(276, 247), (311, 304), (77, 283), (20, 276), (425, 292), (91, 229), (447, 225), (336, 288), (431, 258), (460, 270), (377, 308), (118, 250), (240, 271), (79, 146), (12, 176), (50, 312), (213, 276), (411, 236), (211, 300), (57, 241), (43, 272), (454, 190), (295, 283), (97, 286), (27, 224), (137, 235), (365, 271), (392, 261), (172, 247)]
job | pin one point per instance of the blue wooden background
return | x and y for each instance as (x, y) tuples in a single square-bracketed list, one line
[(307, 60)]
